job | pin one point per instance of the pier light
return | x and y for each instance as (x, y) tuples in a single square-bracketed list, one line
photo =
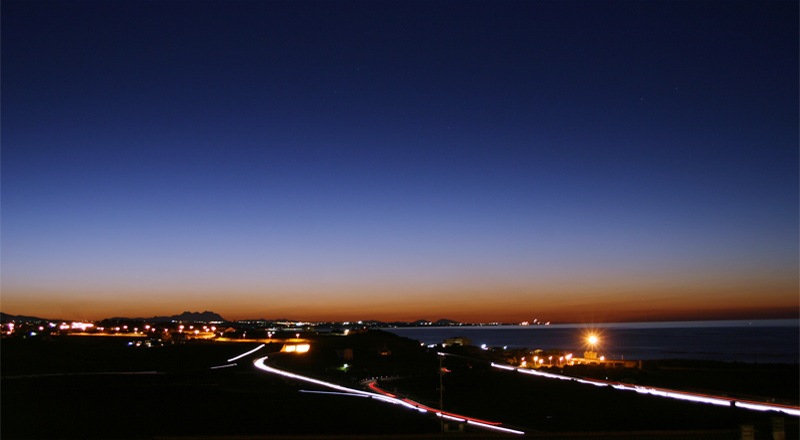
[(592, 339)]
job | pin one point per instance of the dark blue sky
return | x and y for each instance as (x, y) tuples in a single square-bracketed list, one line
[(395, 158)]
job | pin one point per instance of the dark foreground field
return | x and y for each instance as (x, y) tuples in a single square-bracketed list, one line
[(182, 398), (61, 389)]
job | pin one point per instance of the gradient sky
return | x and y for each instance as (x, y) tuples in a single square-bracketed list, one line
[(568, 161)]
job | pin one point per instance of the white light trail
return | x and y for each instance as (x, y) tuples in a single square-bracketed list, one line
[(333, 392), (792, 411), (245, 354), (496, 428), (504, 367), (761, 407), (222, 366), (662, 392), (261, 365)]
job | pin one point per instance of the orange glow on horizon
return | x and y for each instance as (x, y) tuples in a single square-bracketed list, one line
[(512, 304)]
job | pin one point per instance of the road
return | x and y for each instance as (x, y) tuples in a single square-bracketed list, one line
[(664, 392), (384, 396)]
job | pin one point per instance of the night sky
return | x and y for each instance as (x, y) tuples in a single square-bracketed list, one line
[(570, 161)]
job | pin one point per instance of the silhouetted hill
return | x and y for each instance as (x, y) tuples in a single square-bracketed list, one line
[(198, 317), (183, 317), (19, 318)]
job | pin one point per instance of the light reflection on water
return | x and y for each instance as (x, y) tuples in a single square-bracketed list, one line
[(747, 341)]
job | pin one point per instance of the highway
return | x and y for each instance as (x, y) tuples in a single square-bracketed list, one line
[(384, 396), (663, 392)]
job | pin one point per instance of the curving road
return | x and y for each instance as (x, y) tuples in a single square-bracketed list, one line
[(384, 396)]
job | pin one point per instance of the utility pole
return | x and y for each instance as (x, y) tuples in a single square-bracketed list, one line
[(441, 394)]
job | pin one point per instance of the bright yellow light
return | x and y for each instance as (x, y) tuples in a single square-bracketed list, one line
[(592, 339), (301, 348)]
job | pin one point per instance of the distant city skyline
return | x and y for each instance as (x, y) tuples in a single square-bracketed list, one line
[(479, 161)]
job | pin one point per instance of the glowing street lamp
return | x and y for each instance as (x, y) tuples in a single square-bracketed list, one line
[(593, 340)]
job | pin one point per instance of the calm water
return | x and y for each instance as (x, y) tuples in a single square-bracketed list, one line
[(760, 341)]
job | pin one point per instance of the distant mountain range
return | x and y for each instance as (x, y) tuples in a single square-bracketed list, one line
[(19, 318), (183, 317), (206, 317)]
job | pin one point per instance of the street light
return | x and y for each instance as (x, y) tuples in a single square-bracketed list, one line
[(593, 340)]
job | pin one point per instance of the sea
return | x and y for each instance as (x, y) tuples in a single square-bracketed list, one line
[(756, 341)]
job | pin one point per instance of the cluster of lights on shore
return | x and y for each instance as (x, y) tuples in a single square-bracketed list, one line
[(539, 361), (76, 326), (10, 327), (568, 359)]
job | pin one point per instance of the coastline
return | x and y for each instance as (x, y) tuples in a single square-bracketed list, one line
[(760, 341)]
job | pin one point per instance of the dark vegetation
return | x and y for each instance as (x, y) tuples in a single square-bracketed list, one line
[(49, 391)]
